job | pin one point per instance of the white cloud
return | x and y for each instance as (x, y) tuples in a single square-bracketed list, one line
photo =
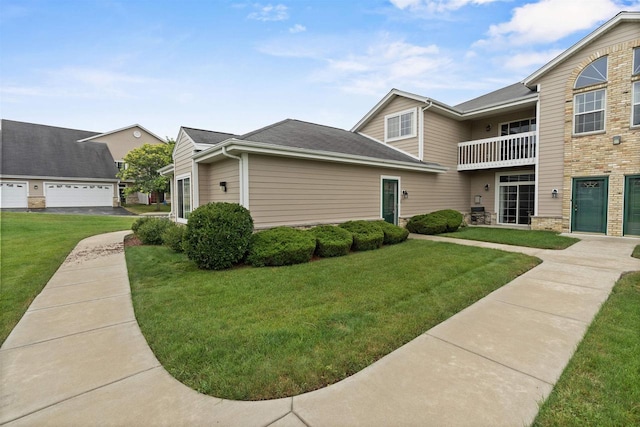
[(297, 29), (269, 12), (548, 21), (526, 61), (437, 6)]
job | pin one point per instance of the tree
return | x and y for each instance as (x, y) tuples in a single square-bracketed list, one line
[(142, 166)]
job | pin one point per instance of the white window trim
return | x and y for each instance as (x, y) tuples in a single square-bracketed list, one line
[(396, 178), (596, 82), (179, 178), (636, 52), (633, 95), (518, 120), (414, 126), (498, 184), (604, 110)]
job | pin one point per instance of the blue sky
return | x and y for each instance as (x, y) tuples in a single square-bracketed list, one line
[(235, 66)]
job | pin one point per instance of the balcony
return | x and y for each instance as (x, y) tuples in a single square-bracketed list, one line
[(501, 152)]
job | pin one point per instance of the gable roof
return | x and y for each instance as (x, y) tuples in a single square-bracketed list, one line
[(509, 94), (618, 19), (28, 149), (201, 136), (121, 129)]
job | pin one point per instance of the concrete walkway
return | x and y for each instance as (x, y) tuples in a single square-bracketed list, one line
[(78, 358)]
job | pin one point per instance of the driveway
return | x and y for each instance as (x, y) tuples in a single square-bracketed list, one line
[(94, 210)]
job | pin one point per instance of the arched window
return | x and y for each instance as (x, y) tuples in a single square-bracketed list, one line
[(594, 73)]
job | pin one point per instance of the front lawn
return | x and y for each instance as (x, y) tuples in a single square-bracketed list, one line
[(33, 247), (507, 236), (601, 384), (142, 209), (261, 333)]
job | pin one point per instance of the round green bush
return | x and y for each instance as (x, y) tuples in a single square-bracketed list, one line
[(281, 246), (392, 233), (452, 217), (138, 222), (332, 241), (217, 235), (150, 231), (367, 235), (173, 236), (427, 224)]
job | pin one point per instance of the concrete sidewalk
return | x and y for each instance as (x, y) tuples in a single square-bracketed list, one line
[(77, 357)]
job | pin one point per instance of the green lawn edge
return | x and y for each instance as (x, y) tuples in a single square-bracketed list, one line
[(539, 239)]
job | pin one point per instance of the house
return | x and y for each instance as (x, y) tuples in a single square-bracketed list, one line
[(46, 166), (558, 151)]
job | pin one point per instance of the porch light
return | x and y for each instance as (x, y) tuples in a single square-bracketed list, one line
[(617, 139), (477, 199), (405, 194), (554, 193), (486, 187), (223, 186)]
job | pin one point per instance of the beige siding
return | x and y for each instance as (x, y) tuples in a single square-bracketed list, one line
[(479, 127), (375, 127), (211, 174), (552, 116), (182, 155), (289, 191), (120, 143)]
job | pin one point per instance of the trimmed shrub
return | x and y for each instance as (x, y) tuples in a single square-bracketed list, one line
[(150, 231), (217, 235), (332, 241), (453, 218), (392, 233), (367, 235), (281, 246), (173, 237), (427, 224), (138, 222)]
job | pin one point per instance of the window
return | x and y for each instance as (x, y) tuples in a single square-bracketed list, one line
[(594, 73), (519, 126), (635, 108), (516, 198), (184, 198), (400, 125), (636, 61), (121, 165), (588, 111)]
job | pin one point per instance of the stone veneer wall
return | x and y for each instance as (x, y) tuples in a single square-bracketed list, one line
[(595, 155), (547, 223)]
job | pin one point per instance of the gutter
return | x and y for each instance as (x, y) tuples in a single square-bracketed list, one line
[(421, 131), (243, 176)]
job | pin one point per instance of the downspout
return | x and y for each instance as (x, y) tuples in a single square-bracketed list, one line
[(240, 180), (421, 131), (537, 164)]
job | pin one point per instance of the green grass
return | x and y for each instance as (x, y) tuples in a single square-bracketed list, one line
[(260, 333), (32, 248), (142, 209), (636, 252), (601, 384), (508, 236)]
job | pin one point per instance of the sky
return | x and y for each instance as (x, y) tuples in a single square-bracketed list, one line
[(236, 66)]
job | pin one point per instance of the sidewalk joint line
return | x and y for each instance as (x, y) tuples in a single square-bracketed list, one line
[(540, 311), (305, 422), (110, 279), (77, 302)]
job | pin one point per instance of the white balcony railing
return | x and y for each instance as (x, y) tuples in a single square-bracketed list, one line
[(504, 151)]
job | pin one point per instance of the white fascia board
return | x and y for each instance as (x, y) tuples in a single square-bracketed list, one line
[(124, 128), (167, 170), (59, 178), (532, 99), (620, 17), (389, 146), (384, 101), (301, 153)]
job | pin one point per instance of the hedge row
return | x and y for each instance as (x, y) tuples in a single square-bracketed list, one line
[(444, 221)]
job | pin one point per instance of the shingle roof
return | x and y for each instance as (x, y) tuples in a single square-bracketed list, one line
[(200, 136), (28, 149), (299, 134), (513, 92)]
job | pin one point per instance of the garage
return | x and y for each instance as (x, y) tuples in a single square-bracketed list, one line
[(13, 194), (60, 195)]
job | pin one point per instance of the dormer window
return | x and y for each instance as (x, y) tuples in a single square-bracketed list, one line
[(594, 73), (400, 125)]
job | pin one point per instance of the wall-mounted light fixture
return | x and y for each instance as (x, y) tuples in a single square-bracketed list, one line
[(35, 187), (488, 128), (477, 199), (617, 139), (223, 186), (554, 193), (405, 194), (487, 187)]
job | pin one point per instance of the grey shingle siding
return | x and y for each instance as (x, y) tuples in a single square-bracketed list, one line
[(28, 149)]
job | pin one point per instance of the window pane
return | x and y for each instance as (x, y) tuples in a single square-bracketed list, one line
[(393, 127), (186, 198), (589, 111), (594, 73), (405, 126), (636, 60), (636, 101)]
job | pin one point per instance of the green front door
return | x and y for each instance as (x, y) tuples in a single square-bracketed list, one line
[(632, 205), (390, 200), (589, 205)]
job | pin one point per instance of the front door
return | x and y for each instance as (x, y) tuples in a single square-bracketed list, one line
[(632, 205), (589, 205), (390, 200)]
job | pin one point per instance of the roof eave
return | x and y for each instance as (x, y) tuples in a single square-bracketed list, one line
[(121, 129)]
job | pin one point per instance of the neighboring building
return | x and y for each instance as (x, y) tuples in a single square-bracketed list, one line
[(558, 151), (46, 166)]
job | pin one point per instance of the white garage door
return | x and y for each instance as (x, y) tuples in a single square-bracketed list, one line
[(60, 195), (13, 194)]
